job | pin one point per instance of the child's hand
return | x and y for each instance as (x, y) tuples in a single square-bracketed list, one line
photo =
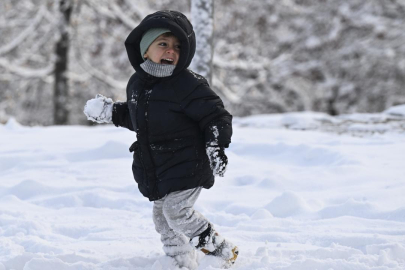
[(99, 109), (218, 159)]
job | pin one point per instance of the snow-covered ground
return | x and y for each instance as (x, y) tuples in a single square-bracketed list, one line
[(303, 191)]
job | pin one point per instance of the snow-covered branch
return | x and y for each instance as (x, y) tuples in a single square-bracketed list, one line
[(27, 72), (100, 9), (227, 92), (138, 8), (220, 62), (102, 76), (120, 14), (7, 77), (25, 33), (75, 77)]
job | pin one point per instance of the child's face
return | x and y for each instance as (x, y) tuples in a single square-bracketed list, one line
[(164, 50)]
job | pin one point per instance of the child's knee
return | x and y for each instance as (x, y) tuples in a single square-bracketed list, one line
[(175, 214), (169, 211)]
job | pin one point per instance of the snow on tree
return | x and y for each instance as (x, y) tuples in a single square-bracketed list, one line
[(330, 56), (269, 56), (202, 12), (26, 64), (33, 34)]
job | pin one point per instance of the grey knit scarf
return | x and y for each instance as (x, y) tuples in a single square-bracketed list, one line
[(157, 70)]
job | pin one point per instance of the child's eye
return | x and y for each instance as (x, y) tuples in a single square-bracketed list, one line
[(162, 44), (178, 47)]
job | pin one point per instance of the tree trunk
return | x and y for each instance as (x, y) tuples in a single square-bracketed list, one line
[(61, 86), (202, 16)]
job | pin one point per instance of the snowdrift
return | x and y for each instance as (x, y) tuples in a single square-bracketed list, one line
[(302, 191)]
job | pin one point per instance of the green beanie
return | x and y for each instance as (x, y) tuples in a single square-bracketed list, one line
[(149, 37)]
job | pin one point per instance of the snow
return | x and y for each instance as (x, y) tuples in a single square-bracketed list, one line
[(396, 110), (99, 109), (302, 191), (203, 21), (24, 34)]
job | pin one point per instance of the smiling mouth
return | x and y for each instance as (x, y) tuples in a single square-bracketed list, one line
[(167, 61)]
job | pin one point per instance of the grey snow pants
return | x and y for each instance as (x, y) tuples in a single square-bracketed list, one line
[(177, 222)]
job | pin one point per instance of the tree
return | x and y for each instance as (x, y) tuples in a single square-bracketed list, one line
[(202, 16), (61, 85), (330, 56), (26, 66), (270, 56)]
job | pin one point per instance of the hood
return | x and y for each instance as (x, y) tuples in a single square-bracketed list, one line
[(177, 23)]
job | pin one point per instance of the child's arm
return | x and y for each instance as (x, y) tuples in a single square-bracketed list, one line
[(120, 115), (120, 112), (207, 108), (103, 110)]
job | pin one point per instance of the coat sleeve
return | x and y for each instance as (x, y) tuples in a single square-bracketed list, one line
[(205, 107), (120, 114)]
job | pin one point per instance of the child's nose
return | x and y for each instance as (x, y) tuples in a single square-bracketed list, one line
[(170, 50)]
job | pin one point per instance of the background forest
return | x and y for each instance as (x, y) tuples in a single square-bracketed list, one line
[(270, 56)]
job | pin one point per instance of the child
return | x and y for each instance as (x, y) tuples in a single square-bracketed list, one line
[(182, 129)]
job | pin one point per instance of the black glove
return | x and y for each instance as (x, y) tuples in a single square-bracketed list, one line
[(218, 159)]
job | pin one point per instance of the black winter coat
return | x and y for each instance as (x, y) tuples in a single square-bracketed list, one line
[(174, 117)]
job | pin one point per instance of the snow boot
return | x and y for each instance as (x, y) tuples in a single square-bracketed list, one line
[(186, 260), (212, 244), (178, 248)]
